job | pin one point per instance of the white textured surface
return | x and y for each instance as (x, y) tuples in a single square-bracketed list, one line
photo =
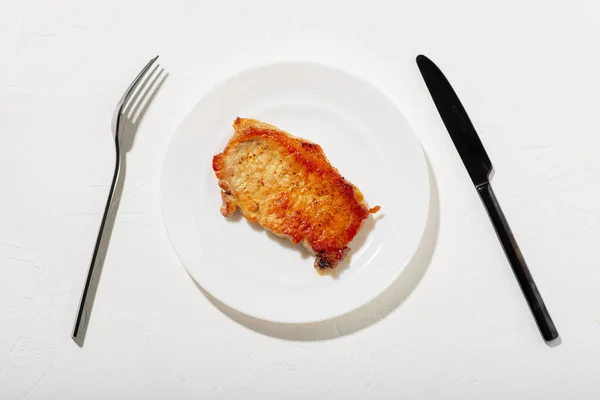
[(459, 328)]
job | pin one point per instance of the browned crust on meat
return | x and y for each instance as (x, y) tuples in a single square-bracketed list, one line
[(302, 196)]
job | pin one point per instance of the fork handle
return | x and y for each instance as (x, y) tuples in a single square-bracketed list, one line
[(89, 290)]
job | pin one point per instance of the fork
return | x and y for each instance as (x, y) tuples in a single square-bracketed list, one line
[(125, 111)]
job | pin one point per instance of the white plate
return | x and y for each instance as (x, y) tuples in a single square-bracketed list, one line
[(362, 133)]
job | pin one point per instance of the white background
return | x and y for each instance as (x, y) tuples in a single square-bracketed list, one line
[(455, 325)]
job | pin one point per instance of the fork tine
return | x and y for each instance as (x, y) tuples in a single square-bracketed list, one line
[(135, 82), (131, 100), (149, 89)]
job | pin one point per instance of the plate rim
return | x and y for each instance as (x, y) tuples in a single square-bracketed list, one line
[(222, 81)]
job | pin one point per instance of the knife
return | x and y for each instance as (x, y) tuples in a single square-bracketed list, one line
[(479, 167)]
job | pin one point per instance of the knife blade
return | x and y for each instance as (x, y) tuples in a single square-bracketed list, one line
[(479, 166)]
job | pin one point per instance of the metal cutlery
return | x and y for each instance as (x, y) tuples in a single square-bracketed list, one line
[(128, 111), (479, 167)]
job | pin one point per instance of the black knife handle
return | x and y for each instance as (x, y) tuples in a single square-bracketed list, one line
[(517, 262)]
